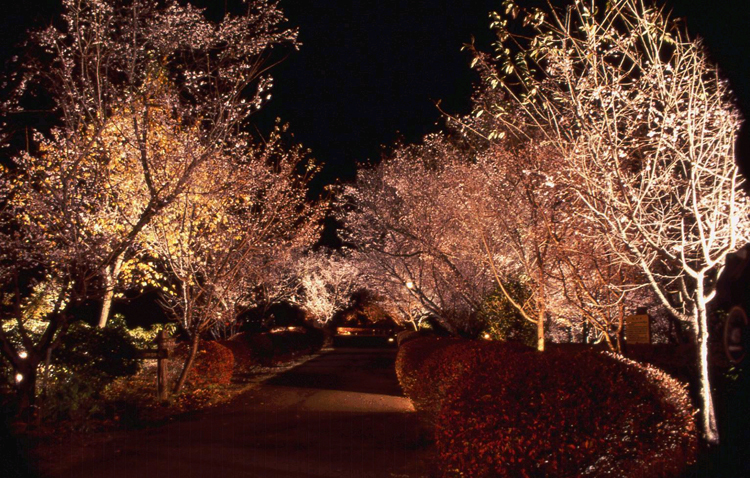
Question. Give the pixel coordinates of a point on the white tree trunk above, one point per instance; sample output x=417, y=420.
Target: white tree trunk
x=540, y=331
x=710, y=430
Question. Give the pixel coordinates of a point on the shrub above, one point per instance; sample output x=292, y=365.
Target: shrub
x=412, y=355
x=264, y=348
x=87, y=360
x=291, y=343
x=407, y=335
x=428, y=370
x=214, y=364
x=565, y=414
x=447, y=367
x=243, y=353
x=315, y=339
x=501, y=319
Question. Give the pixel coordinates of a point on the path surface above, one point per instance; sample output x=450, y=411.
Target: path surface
x=339, y=415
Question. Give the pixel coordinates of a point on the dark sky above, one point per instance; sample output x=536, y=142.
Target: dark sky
x=369, y=72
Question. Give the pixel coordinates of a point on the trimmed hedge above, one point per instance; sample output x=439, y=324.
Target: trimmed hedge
x=407, y=335
x=565, y=414
x=411, y=355
x=267, y=348
x=430, y=369
x=214, y=364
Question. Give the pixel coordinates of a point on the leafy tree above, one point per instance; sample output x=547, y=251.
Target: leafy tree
x=402, y=215
x=236, y=211
x=144, y=93
x=647, y=127
x=327, y=281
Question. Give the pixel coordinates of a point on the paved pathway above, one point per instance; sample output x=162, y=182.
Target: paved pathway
x=339, y=415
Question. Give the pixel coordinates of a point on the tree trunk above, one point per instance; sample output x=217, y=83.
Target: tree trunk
x=42, y=399
x=188, y=362
x=111, y=273
x=708, y=415
x=540, y=330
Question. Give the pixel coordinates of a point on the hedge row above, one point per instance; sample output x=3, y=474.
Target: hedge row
x=505, y=410
x=267, y=348
x=216, y=361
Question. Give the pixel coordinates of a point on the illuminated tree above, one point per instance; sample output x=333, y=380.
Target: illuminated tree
x=327, y=281
x=144, y=93
x=401, y=214
x=237, y=213
x=511, y=202
x=514, y=210
x=647, y=128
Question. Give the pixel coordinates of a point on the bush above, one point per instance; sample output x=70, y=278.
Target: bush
x=565, y=414
x=266, y=348
x=407, y=335
x=502, y=321
x=430, y=369
x=88, y=359
x=214, y=364
x=449, y=365
x=291, y=343
x=411, y=356
x=243, y=353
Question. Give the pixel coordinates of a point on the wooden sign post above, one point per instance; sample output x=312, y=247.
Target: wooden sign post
x=164, y=346
x=638, y=329
x=162, y=353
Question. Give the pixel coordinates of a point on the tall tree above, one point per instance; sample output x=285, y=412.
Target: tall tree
x=327, y=281
x=402, y=217
x=647, y=127
x=143, y=92
x=236, y=210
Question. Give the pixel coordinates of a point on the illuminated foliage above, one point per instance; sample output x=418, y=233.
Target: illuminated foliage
x=647, y=128
x=581, y=414
x=502, y=321
x=402, y=215
x=238, y=213
x=327, y=281
x=145, y=93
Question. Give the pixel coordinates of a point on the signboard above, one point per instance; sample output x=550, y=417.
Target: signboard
x=734, y=328
x=638, y=329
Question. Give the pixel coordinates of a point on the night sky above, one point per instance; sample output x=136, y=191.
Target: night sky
x=370, y=72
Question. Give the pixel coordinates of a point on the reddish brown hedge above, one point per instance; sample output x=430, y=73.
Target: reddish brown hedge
x=266, y=348
x=411, y=355
x=565, y=415
x=213, y=364
x=244, y=356
x=430, y=369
